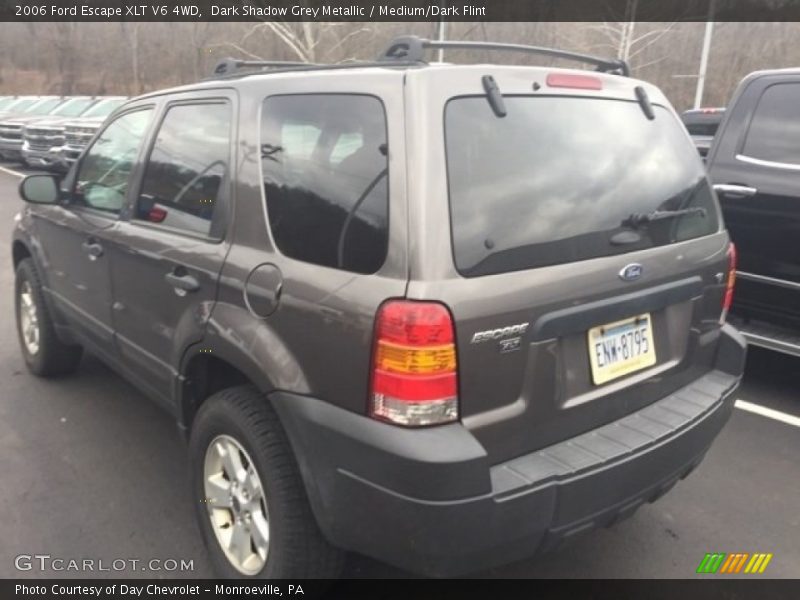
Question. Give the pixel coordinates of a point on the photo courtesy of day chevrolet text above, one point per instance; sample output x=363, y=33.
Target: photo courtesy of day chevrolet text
x=153, y=590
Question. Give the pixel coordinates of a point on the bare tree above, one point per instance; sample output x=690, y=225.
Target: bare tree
x=199, y=33
x=130, y=32
x=64, y=45
x=629, y=41
x=130, y=58
x=305, y=41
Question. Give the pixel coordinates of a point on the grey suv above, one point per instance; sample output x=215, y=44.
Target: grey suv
x=444, y=316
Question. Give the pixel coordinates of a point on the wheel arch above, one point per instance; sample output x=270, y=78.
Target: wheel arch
x=237, y=349
x=19, y=252
x=202, y=376
x=24, y=247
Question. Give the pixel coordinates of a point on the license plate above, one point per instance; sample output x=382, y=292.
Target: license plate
x=621, y=348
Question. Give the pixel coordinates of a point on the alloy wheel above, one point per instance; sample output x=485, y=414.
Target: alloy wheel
x=29, y=319
x=236, y=504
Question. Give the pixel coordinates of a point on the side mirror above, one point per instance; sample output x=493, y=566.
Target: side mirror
x=39, y=189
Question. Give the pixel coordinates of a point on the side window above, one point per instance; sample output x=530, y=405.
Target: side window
x=186, y=168
x=774, y=132
x=104, y=173
x=325, y=166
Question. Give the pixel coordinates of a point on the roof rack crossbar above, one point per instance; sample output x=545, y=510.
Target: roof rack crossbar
x=291, y=67
x=412, y=48
x=231, y=66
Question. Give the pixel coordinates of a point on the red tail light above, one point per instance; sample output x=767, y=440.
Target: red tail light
x=580, y=82
x=414, y=370
x=730, y=282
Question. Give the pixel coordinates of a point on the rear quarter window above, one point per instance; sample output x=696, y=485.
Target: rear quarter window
x=324, y=161
x=558, y=177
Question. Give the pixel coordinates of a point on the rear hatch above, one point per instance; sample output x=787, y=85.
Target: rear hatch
x=580, y=249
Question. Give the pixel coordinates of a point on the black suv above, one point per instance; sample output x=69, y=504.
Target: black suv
x=445, y=316
x=755, y=166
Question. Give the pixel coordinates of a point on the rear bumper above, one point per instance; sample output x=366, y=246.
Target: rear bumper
x=429, y=501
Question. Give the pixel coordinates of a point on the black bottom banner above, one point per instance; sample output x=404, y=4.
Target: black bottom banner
x=378, y=589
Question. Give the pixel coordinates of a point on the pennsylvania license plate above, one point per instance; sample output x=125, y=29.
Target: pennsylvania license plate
x=621, y=348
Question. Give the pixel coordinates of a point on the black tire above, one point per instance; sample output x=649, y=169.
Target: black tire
x=297, y=548
x=54, y=357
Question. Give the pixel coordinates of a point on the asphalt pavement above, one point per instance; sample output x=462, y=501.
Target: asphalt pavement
x=90, y=469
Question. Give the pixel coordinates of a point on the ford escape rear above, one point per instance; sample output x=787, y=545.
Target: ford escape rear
x=445, y=316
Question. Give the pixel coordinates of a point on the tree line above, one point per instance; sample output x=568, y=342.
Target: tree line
x=132, y=58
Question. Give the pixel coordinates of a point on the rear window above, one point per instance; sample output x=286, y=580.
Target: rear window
x=704, y=122
x=558, y=179
x=709, y=129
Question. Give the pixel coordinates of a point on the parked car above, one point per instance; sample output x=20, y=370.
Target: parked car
x=702, y=124
x=755, y=166
x=382, y=330
x=13, y=124
x=18, y=105
x=80, y=131
x=44, y=139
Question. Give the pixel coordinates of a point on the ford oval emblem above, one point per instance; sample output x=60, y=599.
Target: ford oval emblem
x=631, y=272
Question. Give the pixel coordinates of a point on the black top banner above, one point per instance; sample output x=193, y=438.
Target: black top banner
x=402, y=10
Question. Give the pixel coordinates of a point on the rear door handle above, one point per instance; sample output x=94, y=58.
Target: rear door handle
x=92, y=248
x=182, y=282
x=733, y=190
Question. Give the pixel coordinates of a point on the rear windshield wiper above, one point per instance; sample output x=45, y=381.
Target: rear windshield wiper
x=494, y=96
x=638, y=219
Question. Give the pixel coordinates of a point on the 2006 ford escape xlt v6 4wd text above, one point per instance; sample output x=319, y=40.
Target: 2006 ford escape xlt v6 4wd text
x=444, y=316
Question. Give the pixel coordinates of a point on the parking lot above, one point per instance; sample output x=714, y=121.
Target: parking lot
x=92, y=469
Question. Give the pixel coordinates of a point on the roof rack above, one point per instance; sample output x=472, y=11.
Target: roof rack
x=232, y=66
x=412, y=49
